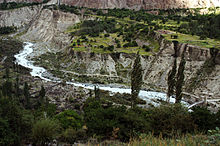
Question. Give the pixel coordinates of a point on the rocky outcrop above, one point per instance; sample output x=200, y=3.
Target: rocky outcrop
x=21, y=1
x=145, y=4
x=135, y=4
x=155, y=68
x=50, y=27
x=18, y=17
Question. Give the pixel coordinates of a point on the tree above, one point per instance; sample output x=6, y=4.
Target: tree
x=26, y=95
x=42, y=94
x=7, y=88
x=97, y=93
x=69, y=119
x=17, y=87
x=136, y=79
x=180, y=79
x=171, y=81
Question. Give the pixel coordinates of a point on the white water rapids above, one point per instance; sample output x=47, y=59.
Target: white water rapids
x=22, y=59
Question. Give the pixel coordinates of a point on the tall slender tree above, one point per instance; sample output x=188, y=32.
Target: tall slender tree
x=136, y=79
x=171, y=81
x=42, y=94
x=26, y=95
x=180, y=79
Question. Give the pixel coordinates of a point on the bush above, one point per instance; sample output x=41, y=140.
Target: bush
x=70, y=135
x=44, y=131
x=170, y=120
x=7, y=30
x=146, y=48
x=69, y=119
x=112, y=121
x=106, y=35
x=133, y=123
x=203, y=118
x=202, y=37
x=6, y=135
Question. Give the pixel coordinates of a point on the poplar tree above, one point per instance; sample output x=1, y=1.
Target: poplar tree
x=136, y=80
x=180, y=79
x=42, y=94
x=171, y=81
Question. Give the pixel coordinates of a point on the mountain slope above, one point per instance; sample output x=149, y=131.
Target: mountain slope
x=145, y=4
x=135, y=4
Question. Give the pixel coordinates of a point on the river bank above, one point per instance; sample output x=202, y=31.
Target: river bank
x=23, y=59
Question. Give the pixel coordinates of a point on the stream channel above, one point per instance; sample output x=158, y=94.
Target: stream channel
x=23, y=59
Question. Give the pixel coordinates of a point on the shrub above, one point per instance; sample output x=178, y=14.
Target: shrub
x=6, y=135
x=202, y=37
x=69, y=135
x=146, y=48
x=107, y=35
x=7, y=30
x=170, y=120
x=69, y=119
x=113, y=121
x=44, y=131
x=203, y=118
x=133, y=123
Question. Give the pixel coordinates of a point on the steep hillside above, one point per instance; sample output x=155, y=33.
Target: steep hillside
x=145, y=4
x=135, y=4
x=19, y=1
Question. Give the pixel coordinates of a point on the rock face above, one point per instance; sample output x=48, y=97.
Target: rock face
x=145, y=4
x=134, y=4
x=107, y=67
x=19, y=1
x=51, y=26
x=18, y=17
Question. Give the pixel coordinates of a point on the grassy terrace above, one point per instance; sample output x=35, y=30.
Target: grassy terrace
x=193, y=40
x=96, y=44
x=188, y=25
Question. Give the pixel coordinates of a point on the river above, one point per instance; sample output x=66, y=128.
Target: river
x=23, y=59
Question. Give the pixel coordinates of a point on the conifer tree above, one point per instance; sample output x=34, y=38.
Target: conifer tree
x=136, y=80
x=26, y=95
x=7, y=86
x=17, y=87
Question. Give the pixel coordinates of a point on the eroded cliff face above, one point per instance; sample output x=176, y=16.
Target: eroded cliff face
x=134, y=4
x=18, y=17
x=41, y=25
x=118, y=66
x=145, y=4
x=19, y=1
x=50, y=27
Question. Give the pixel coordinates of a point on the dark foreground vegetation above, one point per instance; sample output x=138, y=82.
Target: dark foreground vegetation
x=27, y=119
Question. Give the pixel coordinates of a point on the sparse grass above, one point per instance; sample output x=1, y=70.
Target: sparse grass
x=188, y=140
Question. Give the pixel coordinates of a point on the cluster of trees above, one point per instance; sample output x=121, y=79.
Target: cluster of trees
x=123, y=123
x=193, y=23
x=7, y=30
x=14, y=5
x=94, y=27
x=71, y=9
